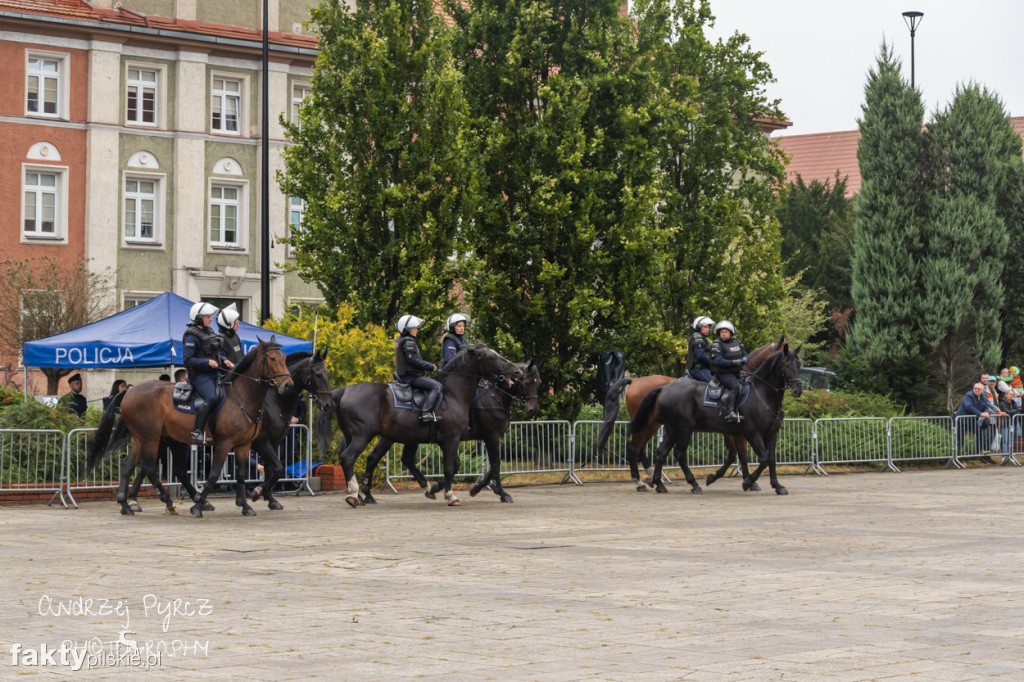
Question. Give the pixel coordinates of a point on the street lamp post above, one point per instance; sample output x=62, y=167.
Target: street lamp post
x=912, y=19
x=265, y=179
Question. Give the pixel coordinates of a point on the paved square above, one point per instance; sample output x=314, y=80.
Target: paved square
x=851, y=577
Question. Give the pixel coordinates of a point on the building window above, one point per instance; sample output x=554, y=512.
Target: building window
x=142, y=96
x=41, y=209
x=300, y=91
x=227, y=105
x=297, y=209
x=225, y=216
x=43, y=89
x=140, y=209
x=133, y=299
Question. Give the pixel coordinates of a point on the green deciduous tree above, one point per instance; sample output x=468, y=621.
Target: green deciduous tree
x=380, y=155
x=563, y=244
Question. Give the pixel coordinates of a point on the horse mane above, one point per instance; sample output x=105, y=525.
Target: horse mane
x=245, y=362
x=461, y=359
x=297, y=356
x=300, y=372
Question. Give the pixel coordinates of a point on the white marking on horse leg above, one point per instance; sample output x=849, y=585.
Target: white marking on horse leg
x=353, y=487
x=450, y=497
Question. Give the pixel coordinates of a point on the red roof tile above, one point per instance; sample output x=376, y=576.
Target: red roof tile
x=819, y=156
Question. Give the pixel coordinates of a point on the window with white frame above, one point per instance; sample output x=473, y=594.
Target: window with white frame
x=42, y=204
x=296, y=209
x=300, y=91
x=226, y=105
x=225, y=216
x=141, y=203
x=133, y=299
x=43, y=86
x=142, y=96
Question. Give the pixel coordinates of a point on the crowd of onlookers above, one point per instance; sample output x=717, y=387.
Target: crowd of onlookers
x=994, y=400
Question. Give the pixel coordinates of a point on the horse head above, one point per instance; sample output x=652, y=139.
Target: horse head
x=274, y=366
x=529, y=387
x=791, y=369
x=320, y=381
x=494, y=366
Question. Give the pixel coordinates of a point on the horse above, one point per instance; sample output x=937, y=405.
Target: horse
x=638, y=388
x=148, y=413
x=368, y=409
x=489, y=419
x=682, y=410
x=309, y=374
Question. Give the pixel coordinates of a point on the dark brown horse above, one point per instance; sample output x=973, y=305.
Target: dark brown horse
x=309, y=374
x=636, y=390
x=489, y=419
x=148, y=413
x=368, y=409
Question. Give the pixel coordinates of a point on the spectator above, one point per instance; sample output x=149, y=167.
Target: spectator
x=118, y=386
x=974, y=404
x=1015, y=380
x=1006, y=405
x=78, y=403
x=181, y=375
x=164, y=377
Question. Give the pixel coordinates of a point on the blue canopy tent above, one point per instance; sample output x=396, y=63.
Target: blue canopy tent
x=148, y=335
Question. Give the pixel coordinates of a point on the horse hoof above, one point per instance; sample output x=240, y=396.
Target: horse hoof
x=696, y=490
x=127, y=511
x=454, y=502
x=196, y=511
x=754, y=487
x=711, y=479
x=256, y=492
x=248, y=511
x=649, y=482
x=352, y=501
x=369, y=499
x=781, y=491
x=474, y=491
x=430, y=495
x=134, y=506
x=660, y=488
x=171, y=511
x=207, y=506
x=274, y=505
x=507, y=498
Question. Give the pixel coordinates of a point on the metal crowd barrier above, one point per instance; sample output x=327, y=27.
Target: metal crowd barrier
x=295, y=452
x=921, y=439
x=841, y=441
x=585, y=457
x=33, y=459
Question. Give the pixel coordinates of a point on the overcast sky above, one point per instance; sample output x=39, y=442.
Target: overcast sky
x=820, y=51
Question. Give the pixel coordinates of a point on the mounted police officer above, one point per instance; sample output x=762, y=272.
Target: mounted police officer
x=411, y=365
x=727, y=359
x=455, y=339
x=698, y=363
x=202, y=355
x=227, y=323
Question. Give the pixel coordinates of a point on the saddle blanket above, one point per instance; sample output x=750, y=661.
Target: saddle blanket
x=405, y=397
x=709, y=401
x=189, y=407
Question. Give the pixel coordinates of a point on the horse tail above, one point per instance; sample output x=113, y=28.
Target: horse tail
x=611, y=411
x=323, y=423
x=107, y=438
x=643, y=413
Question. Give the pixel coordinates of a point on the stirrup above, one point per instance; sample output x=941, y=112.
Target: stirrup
x=199, y=438
x=429, y=417
x=734, y=417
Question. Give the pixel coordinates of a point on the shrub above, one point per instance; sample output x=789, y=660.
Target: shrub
x=815, y=404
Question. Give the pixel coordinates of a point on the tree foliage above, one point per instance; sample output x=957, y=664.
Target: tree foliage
x=381, y=157
x=41, y=297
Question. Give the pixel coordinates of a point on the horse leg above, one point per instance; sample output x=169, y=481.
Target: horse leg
x=273, y=470
x=129, y=463
x=241, y=468
x=133, y=492
x=450, y=450
x=681, y=457
x=180, y=453
x=762, y=460
x=493, y=444
x=648, y=434
x=153, y=473
x=633, y=456
x=348, y=464
x=372, y=460
x=741, y=455
x=772, y=477
x=660, y=456
x=220, y=455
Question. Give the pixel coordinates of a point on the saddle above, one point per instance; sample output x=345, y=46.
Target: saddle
x=713, y=394
x=188, y=401
x=408, y=398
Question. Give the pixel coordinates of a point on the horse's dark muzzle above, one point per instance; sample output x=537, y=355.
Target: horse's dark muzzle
x=285, y=385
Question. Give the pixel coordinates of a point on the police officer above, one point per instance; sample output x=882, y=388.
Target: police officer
x=201, y=356
x=455, y=339
x=227, y=324
x=411, y=365
x=698, y=364
x=727, y=358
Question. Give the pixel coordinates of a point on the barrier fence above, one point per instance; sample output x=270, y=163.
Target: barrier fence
x=41, y=462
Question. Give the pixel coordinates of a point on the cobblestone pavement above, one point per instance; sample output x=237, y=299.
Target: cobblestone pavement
x=851, y=577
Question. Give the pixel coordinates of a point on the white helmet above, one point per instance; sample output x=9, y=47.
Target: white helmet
x=454, y=319
x=408, y=322
x=201, y=309
x=725, y=324
x=227, y=317
x=701, y=321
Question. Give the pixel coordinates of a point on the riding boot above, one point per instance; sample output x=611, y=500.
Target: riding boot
x=730, y=405
x=427, y=414
x=202, y=414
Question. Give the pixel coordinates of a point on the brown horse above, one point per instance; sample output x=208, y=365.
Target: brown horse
x=636, y=390
x=148, y=413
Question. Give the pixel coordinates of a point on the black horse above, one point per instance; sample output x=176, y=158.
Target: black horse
x=489, y=419
x=368, y=409
x=310, y=375
x=682, y=410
